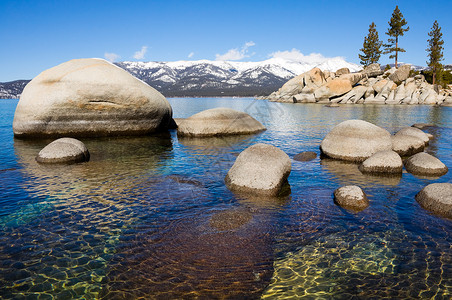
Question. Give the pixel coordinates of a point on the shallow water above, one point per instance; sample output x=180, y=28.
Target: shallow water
x=150, y=216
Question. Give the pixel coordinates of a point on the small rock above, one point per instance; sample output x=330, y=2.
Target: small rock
x=305, y=156
x=261, y=169
x=383, y=162
x=425, y=164
x=64, y=150
x=412, y=131
x=407, y=145
x=332, y=104
x=422, y=125
x=437, y=198
x=351, y=197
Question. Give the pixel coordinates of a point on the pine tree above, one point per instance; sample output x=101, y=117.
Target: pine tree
x=435, y=51
x=371, y=47
x=394, y=31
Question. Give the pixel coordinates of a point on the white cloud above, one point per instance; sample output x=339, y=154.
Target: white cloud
x=296, y=55
x=140, y=54
x=191, y=54
x=111, y=57
x=236, y=53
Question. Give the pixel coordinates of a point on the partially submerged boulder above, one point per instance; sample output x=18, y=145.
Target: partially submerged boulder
x=64, y=150
x=414, y=132
x=425, y=164
x=407, y=145
x=383, y=162
x=355, y=140
x=261, y=169
x=351, y=197
x=437, y=198
x=219, y=121
x=305, y=156
x=89, y=97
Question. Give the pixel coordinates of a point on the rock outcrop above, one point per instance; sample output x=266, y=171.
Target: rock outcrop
x=369, y=86
x=351, y=197
x=437, y=198
x=218, y=121
x=261, y=169
x=355, y=140
x=64, y=150
x=89, y=97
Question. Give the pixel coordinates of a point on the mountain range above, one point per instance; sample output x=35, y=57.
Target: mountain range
x=205, y=78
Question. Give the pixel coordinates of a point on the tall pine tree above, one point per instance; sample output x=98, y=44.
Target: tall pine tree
x=435, y=51
x=395, y=30
x=371, y=47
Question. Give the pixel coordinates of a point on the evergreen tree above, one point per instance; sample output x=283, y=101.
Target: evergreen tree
x=395, y=30
x=371, y=47
x=435, y=51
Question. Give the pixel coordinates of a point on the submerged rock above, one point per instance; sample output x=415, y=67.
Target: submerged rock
x=355, y=140
x=89, y=97
x=437, y=198
x=219, y=121
x=231, y=219
x=259, y=169
x=64, y=150
x=426, y=165
x=305, y=156
x=351, y=197
x=383, y=162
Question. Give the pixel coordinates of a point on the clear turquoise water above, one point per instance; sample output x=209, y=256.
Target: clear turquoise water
x=137, y=220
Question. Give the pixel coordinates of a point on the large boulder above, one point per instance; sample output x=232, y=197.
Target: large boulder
x=64, y=150
x=401, y=74
x=89, y=97
x=372, y=70
x=437, y=198
x=333, y=88
x=351, y=197
x=407, y=145
x=260, y=169
x=424, y=164
x=383, y=162
x=219, y=121
x=342, y=71
x=414, y=132
x=355, y=140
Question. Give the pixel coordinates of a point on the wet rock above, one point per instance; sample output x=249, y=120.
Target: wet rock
x=231, y=219
x=351, y=197
x=423, y=125
x=425, y=164
x=383, y=162
x=437, y=198
x=259, y=169
x=415, y=132
x=305, y=156
x=355, y=140
x=89, y=97
x=218, y=121
x=407, y=145
x=64, y=150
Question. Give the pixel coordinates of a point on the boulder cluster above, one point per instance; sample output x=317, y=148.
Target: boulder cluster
x=370, y=86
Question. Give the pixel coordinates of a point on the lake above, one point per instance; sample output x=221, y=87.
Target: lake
x=151, y=216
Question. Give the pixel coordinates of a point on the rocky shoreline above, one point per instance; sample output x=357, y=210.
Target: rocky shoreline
x=369, y=86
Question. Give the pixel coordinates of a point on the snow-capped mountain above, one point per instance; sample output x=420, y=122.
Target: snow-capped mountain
x=224, y=78
x=204, y=78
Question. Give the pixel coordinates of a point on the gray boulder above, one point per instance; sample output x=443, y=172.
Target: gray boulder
x=401, y=74
x=407, y=145
x=424, y=164
x=342, y=71
x=63, y=150
x=383, y=162
x=89, y=97
x=414, y=132
x=218, y=121
x=372, y=70
x=260, y=169
x=437, y=198
x=351, y=197
x=355, y=140
x=422, y=125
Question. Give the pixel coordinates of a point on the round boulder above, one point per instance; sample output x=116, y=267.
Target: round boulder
x=351, y=197
x=305, y=156
x=89, y=97
x=437, y=198
x=425, y=164
x=383, y=162
x=355, y=140
x=260, y=169
x=219, y=121
x=64, y=150
x=414, y=132
x=406, y=145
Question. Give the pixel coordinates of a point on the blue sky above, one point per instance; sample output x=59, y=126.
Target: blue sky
x=36, y=35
